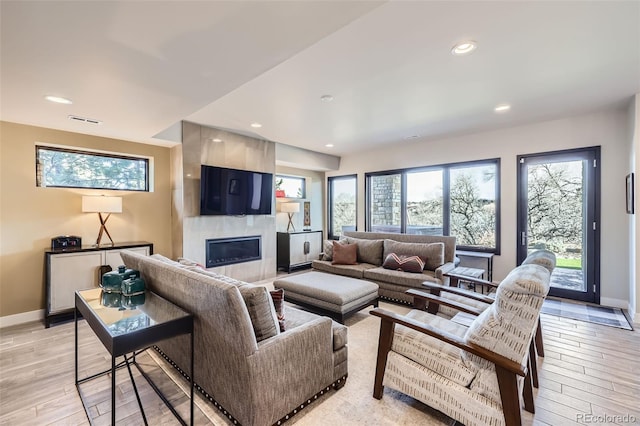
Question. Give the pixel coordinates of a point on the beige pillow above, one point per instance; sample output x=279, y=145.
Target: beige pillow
x=369, y=251
x=261, y=310
x=344, y=254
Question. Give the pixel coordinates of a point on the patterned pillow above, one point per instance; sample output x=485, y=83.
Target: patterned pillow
x=431, y=253
x=403, y=263
x=327, y=250
x=277, y=297
x=344, y=254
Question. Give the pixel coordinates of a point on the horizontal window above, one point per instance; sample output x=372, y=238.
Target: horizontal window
x=69, y=168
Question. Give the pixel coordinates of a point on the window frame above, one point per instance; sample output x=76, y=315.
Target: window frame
x=330, y=180
x=446, y=201
x=303, y=186
x=95, y=153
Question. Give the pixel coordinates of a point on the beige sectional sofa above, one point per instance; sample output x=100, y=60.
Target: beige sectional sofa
x=253, y=372
x=374, y=247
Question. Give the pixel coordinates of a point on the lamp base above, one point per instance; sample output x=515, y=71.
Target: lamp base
x=290, y=224
x=103, y=229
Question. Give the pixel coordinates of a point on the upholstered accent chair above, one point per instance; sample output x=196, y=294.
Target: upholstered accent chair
x=474, y=374
x=479, y=302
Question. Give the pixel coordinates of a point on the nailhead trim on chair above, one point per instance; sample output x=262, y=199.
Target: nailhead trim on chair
x=335, y=385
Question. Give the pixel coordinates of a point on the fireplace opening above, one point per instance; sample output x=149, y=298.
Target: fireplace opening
x=227, y=251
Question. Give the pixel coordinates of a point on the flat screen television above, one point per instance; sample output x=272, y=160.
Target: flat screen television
x=234, y=192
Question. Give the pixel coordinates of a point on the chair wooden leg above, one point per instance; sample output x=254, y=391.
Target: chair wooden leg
x=527, y=391
x=384, y=346
x=534, y=364
x=538, y=338
x=509, y=396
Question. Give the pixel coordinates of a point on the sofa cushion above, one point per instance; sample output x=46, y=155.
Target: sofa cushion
x=369, y=251
x=436, y=355
x=353, y=271
x=344, y=254
x=407, y=279
x=261, y=311
x=432, y=254
x=403, y=263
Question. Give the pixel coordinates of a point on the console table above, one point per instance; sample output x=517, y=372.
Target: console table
x=77, y=268
x=127, y=328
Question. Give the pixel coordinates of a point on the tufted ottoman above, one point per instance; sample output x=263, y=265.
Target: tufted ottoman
x=332, y=295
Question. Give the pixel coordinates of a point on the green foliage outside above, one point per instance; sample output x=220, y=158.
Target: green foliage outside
x=88, y=170
x=569, y=263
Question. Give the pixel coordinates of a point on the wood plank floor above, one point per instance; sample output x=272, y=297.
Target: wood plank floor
x=590, y=375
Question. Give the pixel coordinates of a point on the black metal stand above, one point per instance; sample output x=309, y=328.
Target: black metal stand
x=127, y=362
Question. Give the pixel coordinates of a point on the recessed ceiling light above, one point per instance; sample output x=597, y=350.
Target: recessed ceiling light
x=326, y=98
x=256, y=125
x=329, y=145
x=502, y=108
x=58, y=100
x=216, y=140
x=464, y=48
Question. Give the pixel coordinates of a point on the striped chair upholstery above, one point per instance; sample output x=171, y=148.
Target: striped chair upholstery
x=462, y=385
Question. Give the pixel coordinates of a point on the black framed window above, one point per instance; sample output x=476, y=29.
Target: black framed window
x=71, y=168
x=458, y=199
x=342, y=205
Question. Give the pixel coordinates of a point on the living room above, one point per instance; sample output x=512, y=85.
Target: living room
x=31, y=216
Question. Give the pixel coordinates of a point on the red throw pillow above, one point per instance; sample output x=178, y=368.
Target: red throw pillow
x=403, y=263
x=344, y=254
x=277, y=297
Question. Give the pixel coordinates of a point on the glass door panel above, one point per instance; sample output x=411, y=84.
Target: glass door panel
x=557, y=212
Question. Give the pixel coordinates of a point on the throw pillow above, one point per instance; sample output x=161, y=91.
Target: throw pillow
x=261, y=311
x=344, y=254
x=277, y=297
x=369, y=251
x=403, y=263
x=189, y=262
x=432, y=254
x=327, y=250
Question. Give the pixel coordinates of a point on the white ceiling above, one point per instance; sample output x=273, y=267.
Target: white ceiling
x=141, y=67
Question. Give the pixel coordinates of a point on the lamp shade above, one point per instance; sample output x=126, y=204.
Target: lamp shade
x=290, y=207
x=101, y=204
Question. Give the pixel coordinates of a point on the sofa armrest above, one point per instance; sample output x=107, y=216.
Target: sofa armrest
x=444, y=269
x=306, y=348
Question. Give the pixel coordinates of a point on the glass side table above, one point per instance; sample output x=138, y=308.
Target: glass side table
x=125, y=325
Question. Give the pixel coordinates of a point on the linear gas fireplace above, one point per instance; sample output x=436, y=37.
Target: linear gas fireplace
x=227, y=251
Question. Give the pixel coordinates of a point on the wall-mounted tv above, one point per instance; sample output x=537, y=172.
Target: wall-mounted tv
x=234, y=192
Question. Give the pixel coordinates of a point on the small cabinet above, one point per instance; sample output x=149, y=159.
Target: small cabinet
x=298, y=249
x=69, y=270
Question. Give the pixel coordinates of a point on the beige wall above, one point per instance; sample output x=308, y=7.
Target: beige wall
x=31, y=216
x=608, y=129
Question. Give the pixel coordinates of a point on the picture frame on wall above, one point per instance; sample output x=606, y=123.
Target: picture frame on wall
x=307, y=214
x=630, y=193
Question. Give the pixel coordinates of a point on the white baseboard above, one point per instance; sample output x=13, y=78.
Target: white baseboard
x=614, y=303
x=9, y=320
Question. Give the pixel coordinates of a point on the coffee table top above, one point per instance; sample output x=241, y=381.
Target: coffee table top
x=125, y=324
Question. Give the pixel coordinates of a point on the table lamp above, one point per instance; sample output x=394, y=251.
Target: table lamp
x=290, y=209
x=100, y=205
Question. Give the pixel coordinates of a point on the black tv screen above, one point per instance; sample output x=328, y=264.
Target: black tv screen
x=234, y=192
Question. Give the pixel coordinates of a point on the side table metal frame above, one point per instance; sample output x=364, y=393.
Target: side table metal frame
x=133, y=347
